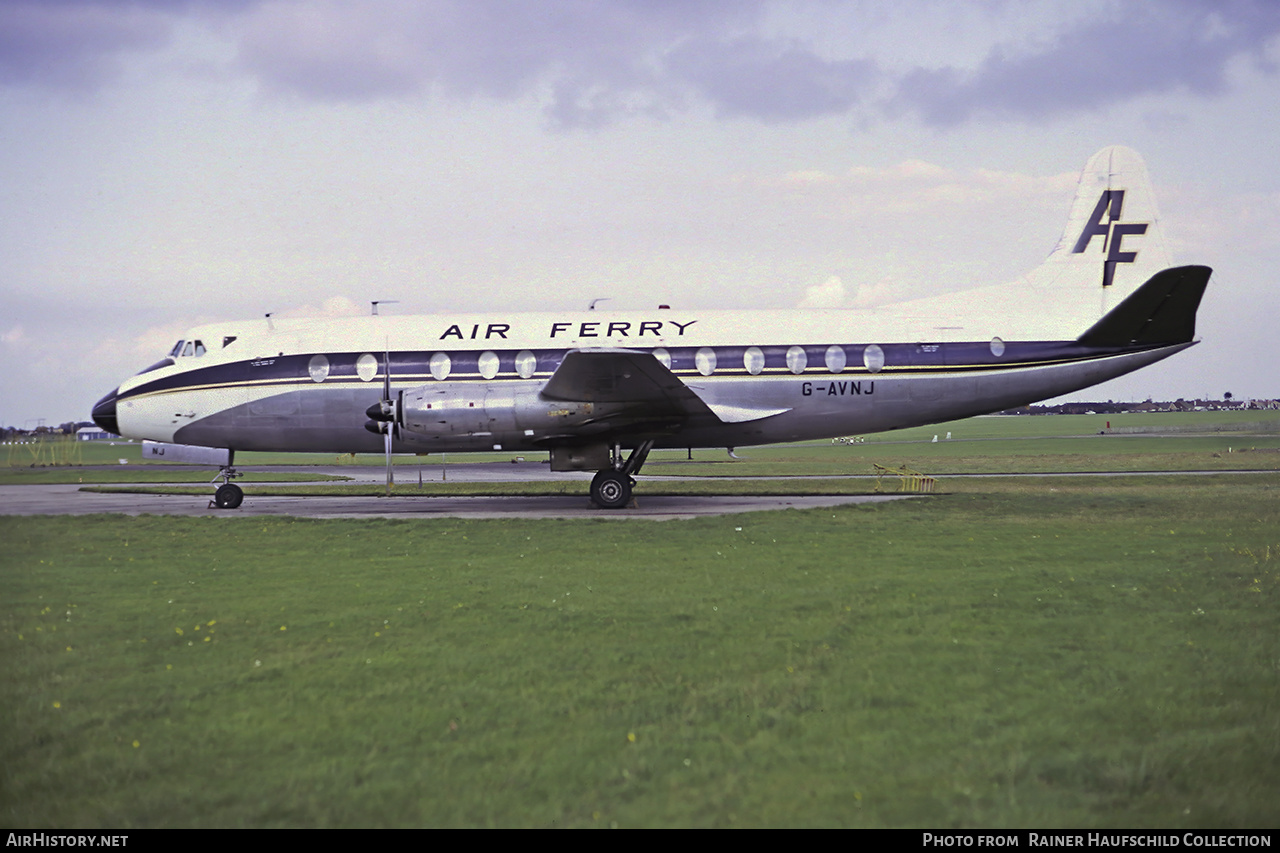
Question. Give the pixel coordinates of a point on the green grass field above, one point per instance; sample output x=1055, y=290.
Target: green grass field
x=1038, y=652
x=1044, y=652
x=1200, y=441
x=1191, y=441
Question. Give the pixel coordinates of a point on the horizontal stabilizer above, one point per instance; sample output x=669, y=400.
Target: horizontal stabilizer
x=1161, y=311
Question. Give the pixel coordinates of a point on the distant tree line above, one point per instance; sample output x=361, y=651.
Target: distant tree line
x=11, y=433
x=1112, y=407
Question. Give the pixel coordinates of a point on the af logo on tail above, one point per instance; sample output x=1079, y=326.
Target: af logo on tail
x=1112, y=232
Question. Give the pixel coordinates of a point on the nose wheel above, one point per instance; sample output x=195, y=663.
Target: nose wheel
x=228, y=496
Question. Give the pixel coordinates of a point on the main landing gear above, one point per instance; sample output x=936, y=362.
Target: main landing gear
x=611, y=487
x=228, y=495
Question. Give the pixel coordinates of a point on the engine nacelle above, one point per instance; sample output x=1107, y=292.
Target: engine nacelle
x=474, y=408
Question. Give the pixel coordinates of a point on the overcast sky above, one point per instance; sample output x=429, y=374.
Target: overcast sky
x=170, y=162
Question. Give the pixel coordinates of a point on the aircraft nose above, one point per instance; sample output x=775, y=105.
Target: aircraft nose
x=104, y=413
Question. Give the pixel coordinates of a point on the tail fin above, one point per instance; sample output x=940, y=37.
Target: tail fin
x=1111, y=249
x=1113, y=241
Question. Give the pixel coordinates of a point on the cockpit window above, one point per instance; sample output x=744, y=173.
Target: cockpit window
x=189, y=348
x=177, y=349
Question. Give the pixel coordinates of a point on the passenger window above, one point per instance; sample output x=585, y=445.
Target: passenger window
x=705, y=359
x=526, y=364
x=873, y=358
x=797, y=361
x=367, y=367
x=318, y=367
x=753, y=360
x=440, y=366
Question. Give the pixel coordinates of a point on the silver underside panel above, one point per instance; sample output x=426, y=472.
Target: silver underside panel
x=318, y=418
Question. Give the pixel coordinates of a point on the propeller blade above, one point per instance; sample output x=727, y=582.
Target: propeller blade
x=388, y=408
x=390, y=481
x=386, y=375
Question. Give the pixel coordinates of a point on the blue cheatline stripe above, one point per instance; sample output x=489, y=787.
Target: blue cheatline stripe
x=414, y=366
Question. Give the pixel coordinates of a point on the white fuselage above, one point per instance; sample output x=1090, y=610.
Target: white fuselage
x=763, y=376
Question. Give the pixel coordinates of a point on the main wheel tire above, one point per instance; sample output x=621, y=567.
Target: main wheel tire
x=228, y=496
x=611, y=490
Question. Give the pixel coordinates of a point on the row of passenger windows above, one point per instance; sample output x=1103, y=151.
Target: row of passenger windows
x=705, y=361
x=834, y=359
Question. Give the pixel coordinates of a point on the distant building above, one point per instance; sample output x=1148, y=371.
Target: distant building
x=93, y=433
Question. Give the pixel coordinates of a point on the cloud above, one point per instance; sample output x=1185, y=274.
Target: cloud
x=74, y=45
x=915, y=186
x=15, y=337
x=1218, y=227
x=914, y=228
x=591, y=63
x=1142, y=49
x=833, y=293
x=883, y=291
x=770, y=80
x=829, y=294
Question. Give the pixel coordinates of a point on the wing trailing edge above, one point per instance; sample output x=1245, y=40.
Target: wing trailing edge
x=637, y=377
x=741, y=414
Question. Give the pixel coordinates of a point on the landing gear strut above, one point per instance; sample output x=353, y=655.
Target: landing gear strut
x=611, y=487
x=228, y=495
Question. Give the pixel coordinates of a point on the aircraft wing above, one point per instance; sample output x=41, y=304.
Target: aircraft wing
x=637, y=377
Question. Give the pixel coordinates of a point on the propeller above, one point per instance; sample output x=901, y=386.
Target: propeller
x=382, y=417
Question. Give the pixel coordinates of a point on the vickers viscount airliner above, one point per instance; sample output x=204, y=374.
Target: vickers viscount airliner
x=598, y=390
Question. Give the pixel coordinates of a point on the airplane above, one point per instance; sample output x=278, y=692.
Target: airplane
x=599, y=389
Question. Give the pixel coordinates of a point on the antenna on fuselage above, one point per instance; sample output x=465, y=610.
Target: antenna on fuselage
x=270, y=325
x=592, y=306
x=375, y=303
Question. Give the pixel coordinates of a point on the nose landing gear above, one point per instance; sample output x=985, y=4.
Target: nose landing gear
x=228, y=495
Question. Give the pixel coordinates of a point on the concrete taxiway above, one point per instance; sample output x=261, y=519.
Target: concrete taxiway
x=69, y=500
